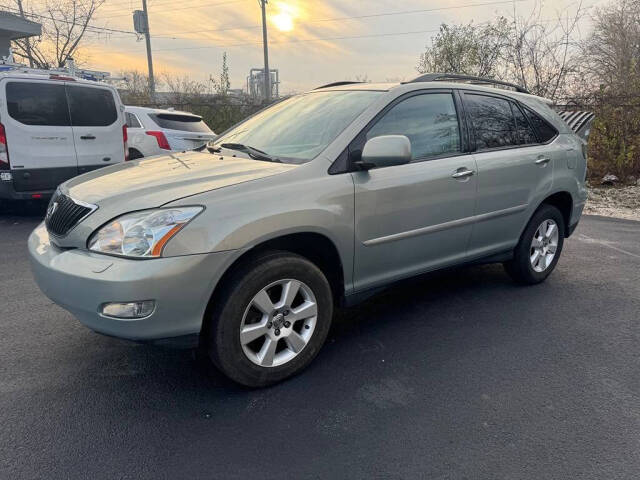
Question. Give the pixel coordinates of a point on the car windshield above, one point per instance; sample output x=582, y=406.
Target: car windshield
x=296, y=130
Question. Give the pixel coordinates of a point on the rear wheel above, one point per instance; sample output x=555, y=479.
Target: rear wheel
x=274, y=315
x=539, y=248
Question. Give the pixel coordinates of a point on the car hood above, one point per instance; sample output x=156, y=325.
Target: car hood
x=152, y=182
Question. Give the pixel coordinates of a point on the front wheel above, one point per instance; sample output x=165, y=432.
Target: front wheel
x=274, y=315
x=539, y=248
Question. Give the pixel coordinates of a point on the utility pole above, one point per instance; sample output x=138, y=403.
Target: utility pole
x=27, y=41
x=267, y=72
x=147, y=37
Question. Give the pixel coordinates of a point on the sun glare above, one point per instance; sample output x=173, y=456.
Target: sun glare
x=283, y=22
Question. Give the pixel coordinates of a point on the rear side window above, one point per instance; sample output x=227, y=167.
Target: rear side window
x=545, y=131
x=91, y=107
x=492, y=121
x=429, y=121
x=132, y=121
x=526, y=134
x=186, y=123
x=33, y=103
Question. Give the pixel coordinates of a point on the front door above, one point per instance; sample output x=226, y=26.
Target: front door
x=415, y=217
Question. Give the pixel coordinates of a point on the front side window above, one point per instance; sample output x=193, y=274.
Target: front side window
x=185, y=123
x=296, y=130
x=492, y=121
x=35, y=103
x=428, y=120
x=91, y=107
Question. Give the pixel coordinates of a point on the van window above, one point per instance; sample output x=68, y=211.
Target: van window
x=545, y=131
x=36, y=103
x=132, y=121
x=429, y=121
x=186, y=123
x=91, y=107
x=526, y=134
x=492, y=121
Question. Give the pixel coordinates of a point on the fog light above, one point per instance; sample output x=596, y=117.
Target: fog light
x=129, y=309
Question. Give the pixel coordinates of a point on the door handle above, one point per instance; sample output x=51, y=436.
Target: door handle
x=88, y=137
x=543, y=160
x=460, y=173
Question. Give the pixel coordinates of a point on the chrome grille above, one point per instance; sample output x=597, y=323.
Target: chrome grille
x=64, y=213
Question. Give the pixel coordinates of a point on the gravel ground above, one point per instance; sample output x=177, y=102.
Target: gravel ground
x=620, y=202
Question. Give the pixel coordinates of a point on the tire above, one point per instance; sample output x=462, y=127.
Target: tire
x=526, y=269
x=247, y=362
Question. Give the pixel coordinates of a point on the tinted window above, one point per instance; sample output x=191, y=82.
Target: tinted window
x=429, y=121
x=132, y=121
x=545, y=131
x=91, y=107
x=37, y=103
x=492, y=121
x=186, y=123
x=526, y=134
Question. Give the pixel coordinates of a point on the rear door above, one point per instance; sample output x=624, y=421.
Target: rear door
x=97, y=126
x=35, y=115
x=514, y=169
x=183, y=131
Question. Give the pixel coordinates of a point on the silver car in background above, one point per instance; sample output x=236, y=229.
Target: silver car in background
x=316, y=202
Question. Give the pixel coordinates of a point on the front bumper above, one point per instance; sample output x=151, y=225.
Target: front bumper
x=81, y=281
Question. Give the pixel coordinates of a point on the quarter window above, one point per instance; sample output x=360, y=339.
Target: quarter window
x=132, y=121
x=492, y=121
x=429, y=121
x=545, y=131
x=35, y=103
x=91, y=107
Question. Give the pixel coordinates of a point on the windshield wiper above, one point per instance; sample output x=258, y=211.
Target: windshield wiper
x=251, y=151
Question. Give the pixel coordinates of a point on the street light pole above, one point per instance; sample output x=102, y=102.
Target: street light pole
x=147, y=36
x=267, y=72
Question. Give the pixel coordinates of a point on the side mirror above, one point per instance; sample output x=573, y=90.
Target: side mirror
x=385, y=151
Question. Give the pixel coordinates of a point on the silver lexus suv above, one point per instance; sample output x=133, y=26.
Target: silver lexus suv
x=245, y=248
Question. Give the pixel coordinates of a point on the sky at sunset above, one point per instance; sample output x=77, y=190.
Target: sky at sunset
x=311, y=42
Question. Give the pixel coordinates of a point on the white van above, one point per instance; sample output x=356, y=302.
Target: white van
x=53, y=128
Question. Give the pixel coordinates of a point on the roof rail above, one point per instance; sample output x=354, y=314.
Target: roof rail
x=443, y=77
x=336, y=84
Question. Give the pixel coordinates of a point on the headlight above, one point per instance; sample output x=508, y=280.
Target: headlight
x=141, y=234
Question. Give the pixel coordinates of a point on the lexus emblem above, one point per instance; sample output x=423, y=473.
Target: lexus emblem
x=52, y=209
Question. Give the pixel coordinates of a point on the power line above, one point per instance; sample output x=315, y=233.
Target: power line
x=169, y=35
x=205, y=5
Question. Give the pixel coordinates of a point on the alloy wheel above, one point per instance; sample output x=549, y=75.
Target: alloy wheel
x=278, y=322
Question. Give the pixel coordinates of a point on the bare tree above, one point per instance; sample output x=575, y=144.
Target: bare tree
x=542, y=55
x=470, y=49
x=65, y=23
x=612, y=50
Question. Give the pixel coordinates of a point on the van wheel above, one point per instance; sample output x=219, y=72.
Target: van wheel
x=274, y=316
x=539, y=248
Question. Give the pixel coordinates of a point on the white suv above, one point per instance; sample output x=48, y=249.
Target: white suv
x=54, y=128
x=154, y=131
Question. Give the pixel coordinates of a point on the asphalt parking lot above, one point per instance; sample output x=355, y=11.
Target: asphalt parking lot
x=459, y=375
